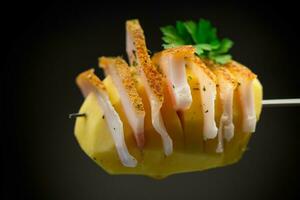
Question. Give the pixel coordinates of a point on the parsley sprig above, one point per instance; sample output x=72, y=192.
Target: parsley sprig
x=202, y=35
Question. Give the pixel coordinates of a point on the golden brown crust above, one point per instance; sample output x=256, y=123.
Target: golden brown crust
x=89, y=77
x=225, y=74
x=220, y=71
x=154, y=78
x=240, y=70
x=123, y=70
x=205, y=69
x=210, y=63
x=179, y=51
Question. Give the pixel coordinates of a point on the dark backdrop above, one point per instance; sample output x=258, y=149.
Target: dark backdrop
x=47, y=44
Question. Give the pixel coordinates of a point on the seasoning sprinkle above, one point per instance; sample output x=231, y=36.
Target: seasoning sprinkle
x=134, y=63
x=134, y=53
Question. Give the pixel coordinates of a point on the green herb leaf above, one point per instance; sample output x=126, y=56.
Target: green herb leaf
x=202, y=35
x=191, y=27
x=206, y=47
x=182, y=31
x=225, y=45
x=222, y=59
x=171, y=36
x=206, y=33
x=167, y=46
x=215, y=44
x=199, y=50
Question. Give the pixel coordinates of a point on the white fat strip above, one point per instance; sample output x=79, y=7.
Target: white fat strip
x=135, y=119
x=155, y=103
x=226, y=127
x=248, y=108
x=174, y=69
x=207, y=89
x=156, y=118
x=115, y=126
x=88, y=82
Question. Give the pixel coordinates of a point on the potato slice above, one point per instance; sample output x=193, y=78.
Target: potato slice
x=189, y=155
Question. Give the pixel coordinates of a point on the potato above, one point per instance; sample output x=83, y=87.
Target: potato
x=191, y=152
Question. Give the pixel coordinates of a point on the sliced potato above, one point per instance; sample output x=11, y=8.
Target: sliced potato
x=191, y=152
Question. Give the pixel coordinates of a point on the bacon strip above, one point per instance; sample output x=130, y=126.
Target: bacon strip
x=132, y=104
x=207, y=88
x=153, y=81
x=88, y=82
x=173, y=63
x=226, y=85
x=245, y=78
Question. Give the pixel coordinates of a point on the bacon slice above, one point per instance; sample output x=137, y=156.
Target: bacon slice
x=226, y=85
x=245, y=78
x=173, y=63
x=153, y=81
x=207, y=88
x=88, y=82
x=132, y=104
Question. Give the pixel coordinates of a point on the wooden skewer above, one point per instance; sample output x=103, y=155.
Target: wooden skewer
x=265, y=103
x=75, y=115
x=280, y=102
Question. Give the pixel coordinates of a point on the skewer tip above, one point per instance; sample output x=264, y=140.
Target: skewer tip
x=75, y=115
x=280, y=102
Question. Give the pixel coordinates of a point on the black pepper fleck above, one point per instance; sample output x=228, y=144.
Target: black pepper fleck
x=204, y=89
x=206, y=111
x=134, y=53
x=134, y=63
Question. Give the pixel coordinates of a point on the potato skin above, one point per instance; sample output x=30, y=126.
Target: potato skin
x=94, y=138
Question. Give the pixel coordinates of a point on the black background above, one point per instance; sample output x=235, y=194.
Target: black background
x=47, y=44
